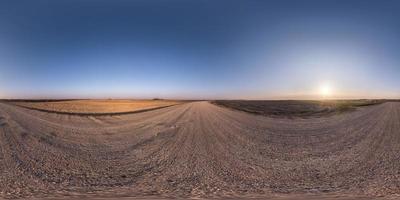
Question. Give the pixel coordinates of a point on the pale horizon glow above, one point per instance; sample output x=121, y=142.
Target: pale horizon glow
x=326, y=90
x=176, y=49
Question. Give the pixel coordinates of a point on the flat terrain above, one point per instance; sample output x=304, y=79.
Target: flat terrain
x=294, y=108
x=200, y=149
x=96, y=106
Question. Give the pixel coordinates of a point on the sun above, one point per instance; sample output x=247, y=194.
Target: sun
x=325, y=90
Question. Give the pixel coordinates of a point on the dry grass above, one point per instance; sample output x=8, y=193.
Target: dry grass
x=201, y=151
x=294, y=108
x=96, y=106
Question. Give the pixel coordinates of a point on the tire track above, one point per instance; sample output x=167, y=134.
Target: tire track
x=199, y=150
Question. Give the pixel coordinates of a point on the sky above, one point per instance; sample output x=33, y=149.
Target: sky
x=205, y=49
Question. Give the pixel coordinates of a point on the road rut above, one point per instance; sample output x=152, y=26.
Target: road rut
x=199, y=150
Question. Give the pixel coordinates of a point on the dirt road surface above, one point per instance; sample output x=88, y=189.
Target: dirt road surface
x=200, y=150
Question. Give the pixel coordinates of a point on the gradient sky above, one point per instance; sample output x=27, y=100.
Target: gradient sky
x=199, y=49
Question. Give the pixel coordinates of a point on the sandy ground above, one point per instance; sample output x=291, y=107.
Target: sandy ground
x=200, y=150
x=97, y=106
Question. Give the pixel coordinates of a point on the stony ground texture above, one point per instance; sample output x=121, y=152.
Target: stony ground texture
x=199, y=150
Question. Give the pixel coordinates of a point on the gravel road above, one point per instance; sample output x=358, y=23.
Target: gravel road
x=199, y=150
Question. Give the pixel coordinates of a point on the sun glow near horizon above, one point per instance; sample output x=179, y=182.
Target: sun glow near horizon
x=312, y=51
x=326, y=90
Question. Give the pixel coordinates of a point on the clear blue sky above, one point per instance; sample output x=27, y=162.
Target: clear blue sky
x=199, y=49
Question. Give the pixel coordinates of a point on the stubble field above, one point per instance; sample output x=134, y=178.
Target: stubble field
x=199, y=150
x=92, y=107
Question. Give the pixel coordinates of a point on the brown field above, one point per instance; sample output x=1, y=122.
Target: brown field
x=96, y=106
x=199, y=150
x=294, y=108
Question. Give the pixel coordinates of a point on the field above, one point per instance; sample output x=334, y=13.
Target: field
x=95, y=106
x=292, y=108
x=199, y=150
